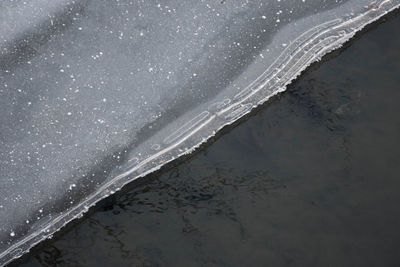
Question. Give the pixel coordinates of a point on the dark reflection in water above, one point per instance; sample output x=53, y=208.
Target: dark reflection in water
x=312, y=179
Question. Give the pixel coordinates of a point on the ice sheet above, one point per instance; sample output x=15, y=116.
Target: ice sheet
x=94, y=94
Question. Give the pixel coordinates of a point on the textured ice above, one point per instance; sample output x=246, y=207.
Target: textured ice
x=96, y=93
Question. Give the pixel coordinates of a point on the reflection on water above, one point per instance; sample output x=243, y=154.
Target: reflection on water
x=312, y=179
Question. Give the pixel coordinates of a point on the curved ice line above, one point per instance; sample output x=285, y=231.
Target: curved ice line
x=312, y=31
x=186, y=127
x=295, y=51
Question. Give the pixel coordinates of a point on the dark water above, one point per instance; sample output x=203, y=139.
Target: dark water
x=311, y=179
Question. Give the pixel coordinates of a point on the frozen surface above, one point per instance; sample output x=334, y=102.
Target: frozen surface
x=94, y=94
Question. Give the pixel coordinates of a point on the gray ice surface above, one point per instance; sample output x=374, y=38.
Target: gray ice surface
x=95, y=93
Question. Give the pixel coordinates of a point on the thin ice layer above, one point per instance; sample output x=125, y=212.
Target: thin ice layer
x=97, y=93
